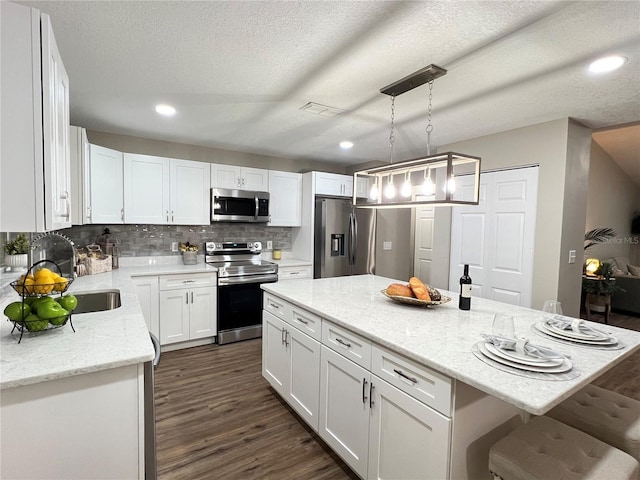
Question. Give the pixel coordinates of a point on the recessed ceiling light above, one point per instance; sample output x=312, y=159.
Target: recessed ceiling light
x=607, y=64
x=346, y=145
x=166, y=110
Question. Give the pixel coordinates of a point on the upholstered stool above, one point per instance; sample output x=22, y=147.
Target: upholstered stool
x=547, y=449
x=606, y=415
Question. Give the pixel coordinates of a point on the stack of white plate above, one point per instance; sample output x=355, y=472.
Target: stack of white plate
x=523, y=361
x=585, y=336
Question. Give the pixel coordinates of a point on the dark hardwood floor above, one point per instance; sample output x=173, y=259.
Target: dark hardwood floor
x=217, y=418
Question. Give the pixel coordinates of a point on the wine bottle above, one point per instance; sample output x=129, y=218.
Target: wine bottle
x=464, y=302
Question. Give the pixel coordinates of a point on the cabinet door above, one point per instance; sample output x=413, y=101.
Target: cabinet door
x=225, y=176
x=362, y=188
x=202, y=318
x=275, y=357
x=146, y=189
x=55, y=122
x=344, y=409
x=407, y=439
x=148, y=297
x=304, y=375
x=285, y=194
x=106, y=186
x=79, y=151
x=190, y=186
x=174, y=316
x=334, y=184
x=256, y=179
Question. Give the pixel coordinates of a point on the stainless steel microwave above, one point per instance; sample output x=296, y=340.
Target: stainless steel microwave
x=239, y=206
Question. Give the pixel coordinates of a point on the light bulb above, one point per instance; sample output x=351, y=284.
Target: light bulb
x=428, y=188
x=374, y=193
x=405, y=191
x=450, y=186
x=390, y=189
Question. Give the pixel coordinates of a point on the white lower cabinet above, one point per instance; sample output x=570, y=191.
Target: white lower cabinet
x=293, y=273
x=344, y=409
x=187, y=307
x=148, y=296
x=290, y=362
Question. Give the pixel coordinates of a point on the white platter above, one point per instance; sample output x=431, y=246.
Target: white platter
x=514, y=356
x=565, y=366
x=595, y=336
x=544, y=329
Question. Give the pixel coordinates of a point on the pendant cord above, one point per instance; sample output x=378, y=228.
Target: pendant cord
x=392, y=137
x=429, y=128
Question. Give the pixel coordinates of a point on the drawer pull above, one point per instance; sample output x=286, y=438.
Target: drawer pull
x=364, y=389
x=273, y=305
x=294, y=273
x=400, y=373
x=302, y=320
x=282, y=335
x=371, y=402
x=342, y=342
x=188, y=281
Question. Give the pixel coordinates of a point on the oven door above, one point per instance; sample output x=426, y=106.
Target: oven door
x=239, y=311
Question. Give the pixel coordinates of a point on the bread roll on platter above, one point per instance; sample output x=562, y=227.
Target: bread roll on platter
x=400, y=290
x=419, y=289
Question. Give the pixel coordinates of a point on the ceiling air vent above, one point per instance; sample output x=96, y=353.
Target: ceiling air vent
x=319, y=109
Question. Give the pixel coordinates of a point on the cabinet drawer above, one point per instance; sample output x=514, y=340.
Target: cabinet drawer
x=426, y=385
x=276, y=306
x=291, y=273
x=347, y=343
x=305, y=321
x=173, y=282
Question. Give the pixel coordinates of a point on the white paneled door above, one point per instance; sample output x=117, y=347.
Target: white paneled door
x=496, y=237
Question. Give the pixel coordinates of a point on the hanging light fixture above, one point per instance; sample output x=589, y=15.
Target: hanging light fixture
x=437, y=173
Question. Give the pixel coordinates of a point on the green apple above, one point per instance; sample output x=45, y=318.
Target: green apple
x=35, y=324
x=68, y=302
x=40, y=301
x=47, y=310
x=17, y=311
x=58, y=320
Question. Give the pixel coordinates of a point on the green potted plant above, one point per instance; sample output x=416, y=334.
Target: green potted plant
x=17, y=252
x=600, y=288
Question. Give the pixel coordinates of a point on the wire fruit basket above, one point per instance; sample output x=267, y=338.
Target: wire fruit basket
x=37, y=289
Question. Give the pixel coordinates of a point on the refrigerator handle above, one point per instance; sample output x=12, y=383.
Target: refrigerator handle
x=353, y=238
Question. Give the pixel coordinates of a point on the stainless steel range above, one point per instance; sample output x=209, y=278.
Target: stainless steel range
x=240, y=273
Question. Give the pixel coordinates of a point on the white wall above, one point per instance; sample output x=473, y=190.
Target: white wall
x=611, y=201
x=558, y=147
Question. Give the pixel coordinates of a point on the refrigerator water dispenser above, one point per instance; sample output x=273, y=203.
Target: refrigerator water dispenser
x=337, y=244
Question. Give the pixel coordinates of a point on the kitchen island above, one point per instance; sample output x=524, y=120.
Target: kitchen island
x=468, y=404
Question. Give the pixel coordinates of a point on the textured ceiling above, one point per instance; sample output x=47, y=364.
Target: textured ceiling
x=239, y=71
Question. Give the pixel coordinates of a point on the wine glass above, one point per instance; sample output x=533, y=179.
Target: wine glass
x=551, y=308
x=503, y=325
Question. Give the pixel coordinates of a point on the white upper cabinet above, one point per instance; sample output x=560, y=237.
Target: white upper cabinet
x=333, y=184
x=80, y=181
x=146, y=189
x=190, y=192
x=34, y=156
x=285, y=199
x=161, y=190
x=105, y=186
x=239, y=178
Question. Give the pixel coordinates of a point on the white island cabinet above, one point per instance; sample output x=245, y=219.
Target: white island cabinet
x=35, y=153
x=401, y=395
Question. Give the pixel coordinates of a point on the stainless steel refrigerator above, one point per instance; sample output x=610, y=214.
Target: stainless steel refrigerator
x=355, y=241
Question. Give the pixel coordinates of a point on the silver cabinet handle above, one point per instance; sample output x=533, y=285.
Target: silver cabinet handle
x=283, y=335
x=273, y=305
x=188, y=281
x=171, y=216
x=122, y=214
x=401, y=374
x=255, y=216
x=342, y=342
x=364, y=389
x=89, y=212
x=294, y=273
x=65, y=196
x=167, y=216
x=302, y=320
x=371, y=402
x=191, y=296
x=186, y=295
x=286, y=334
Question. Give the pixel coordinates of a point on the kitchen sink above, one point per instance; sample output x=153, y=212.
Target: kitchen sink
x=97, y=301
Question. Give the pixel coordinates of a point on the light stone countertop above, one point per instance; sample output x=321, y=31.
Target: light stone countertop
x=441, y=337
x=102, y=340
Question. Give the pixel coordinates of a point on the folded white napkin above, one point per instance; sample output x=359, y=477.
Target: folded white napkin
x=573, y=324
x=522, y=346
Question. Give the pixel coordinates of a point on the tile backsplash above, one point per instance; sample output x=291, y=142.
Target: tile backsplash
x=150, y=240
